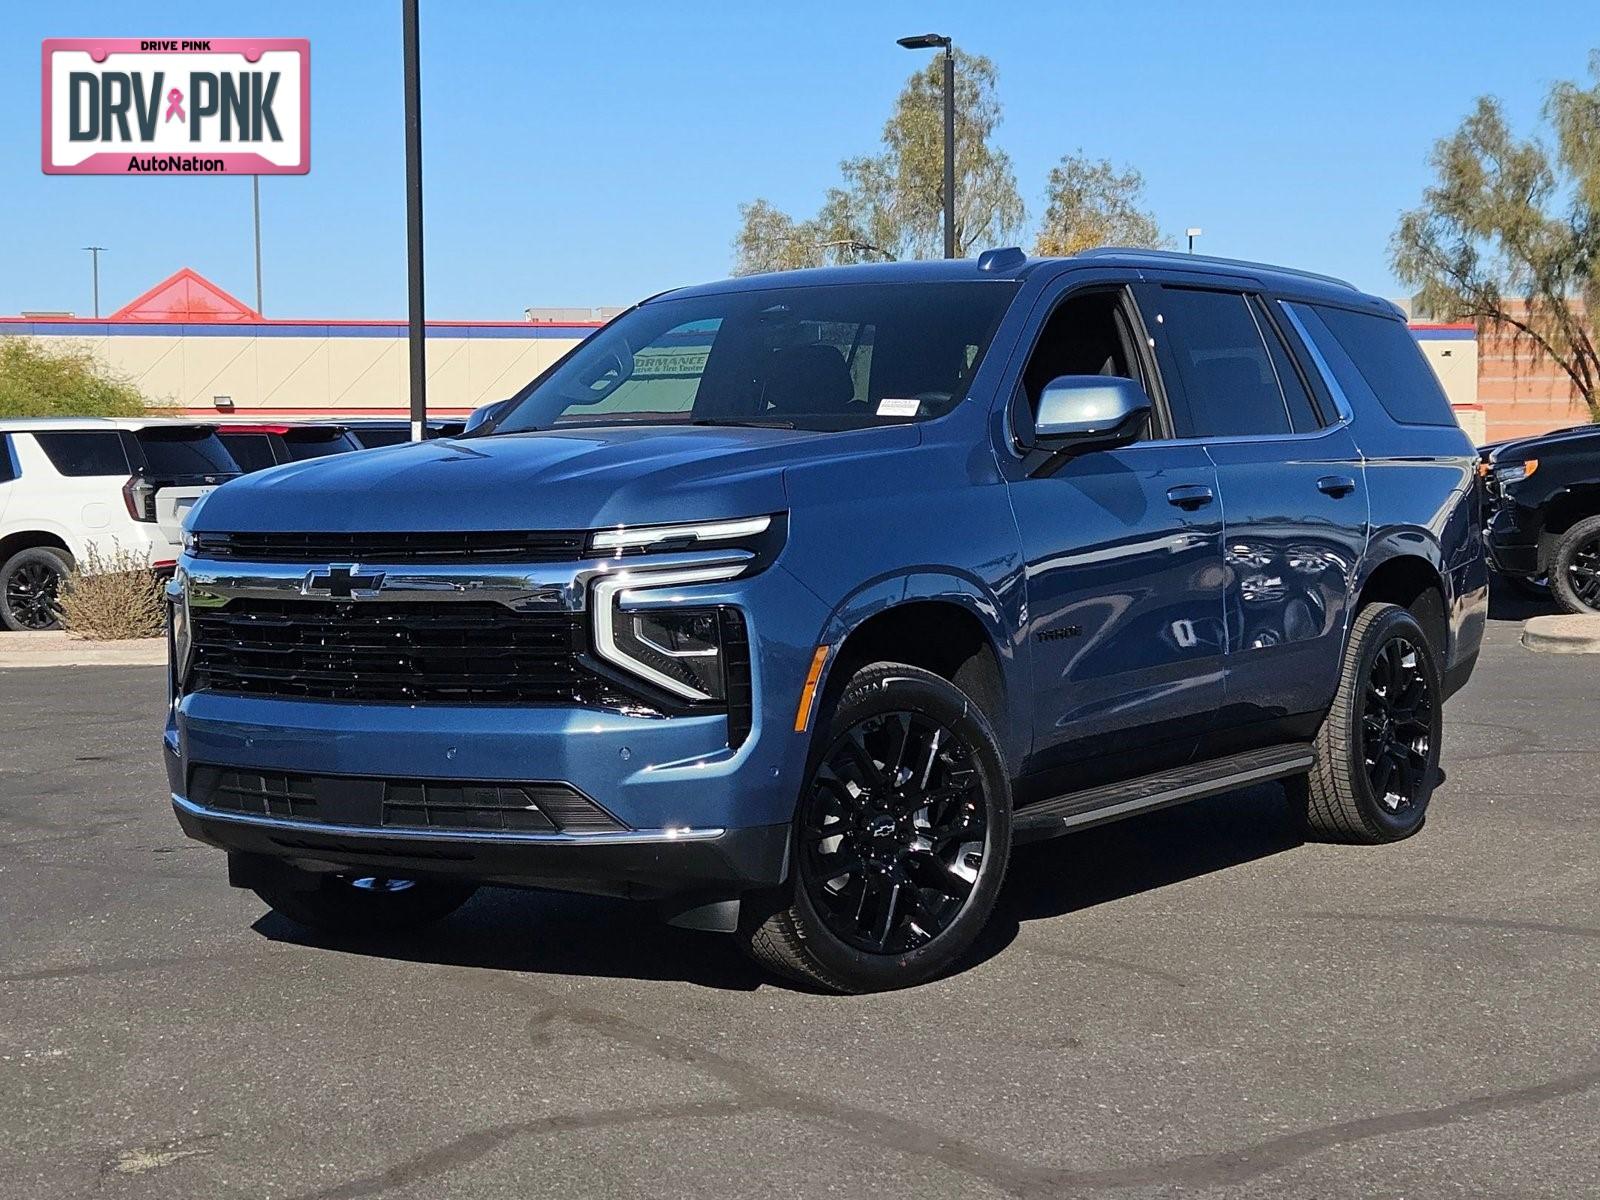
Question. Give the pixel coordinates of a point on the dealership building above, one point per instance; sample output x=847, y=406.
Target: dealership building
x=190, y=346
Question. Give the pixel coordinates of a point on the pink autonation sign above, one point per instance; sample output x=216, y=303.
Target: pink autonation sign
x=157, y=106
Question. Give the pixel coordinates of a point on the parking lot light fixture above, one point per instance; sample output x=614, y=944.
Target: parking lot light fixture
x=1193, y=232
x=930, y=41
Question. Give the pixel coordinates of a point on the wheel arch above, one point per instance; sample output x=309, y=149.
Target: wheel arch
x=1405, y=569
x=947, y=625
x=28, y=539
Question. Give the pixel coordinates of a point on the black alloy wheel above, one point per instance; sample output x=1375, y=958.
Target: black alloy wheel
x=1583, y=572
x=30, y=589
x=892, y=832
x=1397, y=726
x=901, y=837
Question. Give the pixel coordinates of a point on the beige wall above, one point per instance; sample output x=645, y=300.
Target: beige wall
x=317, y=373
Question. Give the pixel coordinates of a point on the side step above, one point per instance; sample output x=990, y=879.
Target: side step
x=1113, y=801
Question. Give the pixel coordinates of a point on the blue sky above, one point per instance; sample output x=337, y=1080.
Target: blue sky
x=583, y=154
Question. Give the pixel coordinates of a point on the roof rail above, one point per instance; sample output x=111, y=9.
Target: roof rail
x=1171, y=258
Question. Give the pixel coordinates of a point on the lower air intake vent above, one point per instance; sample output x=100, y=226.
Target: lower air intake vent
x=348, y=800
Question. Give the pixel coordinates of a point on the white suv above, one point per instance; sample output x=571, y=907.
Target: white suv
x=67, y=484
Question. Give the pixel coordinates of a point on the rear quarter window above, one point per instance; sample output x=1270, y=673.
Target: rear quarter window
x=1376, y=357
x=8, y=459
x=83, y=453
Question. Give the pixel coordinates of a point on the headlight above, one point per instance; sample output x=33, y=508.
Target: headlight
x=762, y=535
x=679, y=649
x=1516, y=471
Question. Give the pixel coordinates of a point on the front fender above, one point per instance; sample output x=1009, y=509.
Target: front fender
x=998, y=615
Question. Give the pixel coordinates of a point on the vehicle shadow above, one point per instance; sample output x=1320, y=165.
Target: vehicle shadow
x=543, y=934
x=1508, y=604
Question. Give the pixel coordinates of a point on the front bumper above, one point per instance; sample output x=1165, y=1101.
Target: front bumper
x=638, y=864
x=1511, y=539
x=697, y=815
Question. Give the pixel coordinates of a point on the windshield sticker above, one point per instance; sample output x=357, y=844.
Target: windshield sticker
x=891, y=406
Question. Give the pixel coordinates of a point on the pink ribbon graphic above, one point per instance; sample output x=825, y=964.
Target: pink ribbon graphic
x=174, y=106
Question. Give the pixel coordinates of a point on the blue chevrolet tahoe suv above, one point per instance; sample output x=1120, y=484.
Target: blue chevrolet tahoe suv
x=793, y=602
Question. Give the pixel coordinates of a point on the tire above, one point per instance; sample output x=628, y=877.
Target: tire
x=1575, y=568
x=357, y=906
x=30, y=581
x=1388, y=708
x=900, y=893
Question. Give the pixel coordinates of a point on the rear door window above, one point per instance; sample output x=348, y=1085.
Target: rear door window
x=178, y=451
x=8, y=462
x=1375, y=357
x=81, y=453
x=1225, y=383
x=1303, y=412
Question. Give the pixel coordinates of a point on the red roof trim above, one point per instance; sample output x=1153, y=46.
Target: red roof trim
x=230, y=307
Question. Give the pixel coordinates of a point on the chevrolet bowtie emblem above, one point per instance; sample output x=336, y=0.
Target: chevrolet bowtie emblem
x=342, y=582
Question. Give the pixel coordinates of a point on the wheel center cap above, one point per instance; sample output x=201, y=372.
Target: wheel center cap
x=881, y=827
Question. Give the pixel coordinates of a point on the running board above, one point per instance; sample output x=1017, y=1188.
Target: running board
x=1113, y=801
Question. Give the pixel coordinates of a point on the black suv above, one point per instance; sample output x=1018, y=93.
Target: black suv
x=1543, y=531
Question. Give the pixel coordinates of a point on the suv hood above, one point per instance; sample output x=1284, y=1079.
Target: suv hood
x=573, y=479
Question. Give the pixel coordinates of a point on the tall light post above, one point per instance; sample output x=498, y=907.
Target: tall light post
x=94, y=252
x=1193, y=231
x=255, y=204
x=418, y=330
x=930, y=41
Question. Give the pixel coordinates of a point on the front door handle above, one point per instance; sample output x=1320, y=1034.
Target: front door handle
x=1190, y=496
x=1336, y=485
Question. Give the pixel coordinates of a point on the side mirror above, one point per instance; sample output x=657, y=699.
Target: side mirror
x=484, y=414
x=1089, y=409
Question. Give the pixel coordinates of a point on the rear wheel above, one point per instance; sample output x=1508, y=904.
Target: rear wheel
x=1377, y=753
x=30, y=584
x=902, y=834
x=355, y=905
x=1575, y=568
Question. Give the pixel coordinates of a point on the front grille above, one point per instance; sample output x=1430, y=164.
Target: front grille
x=347, y=800
x=397, y=652
x=494, y=546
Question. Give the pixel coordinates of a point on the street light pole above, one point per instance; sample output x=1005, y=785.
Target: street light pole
x=418, y=330
x=927, y=41
x=94, y=253
x=1193, y=233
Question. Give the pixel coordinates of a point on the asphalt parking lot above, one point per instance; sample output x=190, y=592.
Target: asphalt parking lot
x=1191, y=1003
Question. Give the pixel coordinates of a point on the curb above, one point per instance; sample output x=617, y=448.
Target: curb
x=29, y=650
x=1562, y=634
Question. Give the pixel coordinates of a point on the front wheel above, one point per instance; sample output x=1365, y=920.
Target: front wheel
x=356, y=905
x=1377, y=753
x=1575, y=568
x=901, y=839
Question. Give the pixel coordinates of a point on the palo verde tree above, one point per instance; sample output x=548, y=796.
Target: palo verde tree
x=1508, y=234
x=890, y=205
x=1089, y=202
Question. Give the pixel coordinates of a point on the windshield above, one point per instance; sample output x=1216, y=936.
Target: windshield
x=823, y=358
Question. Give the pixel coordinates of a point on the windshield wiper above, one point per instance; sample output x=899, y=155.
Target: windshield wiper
x=745, y=422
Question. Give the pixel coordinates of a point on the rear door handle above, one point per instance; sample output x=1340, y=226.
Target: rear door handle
x=1336, y=485
x=1190, y=495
